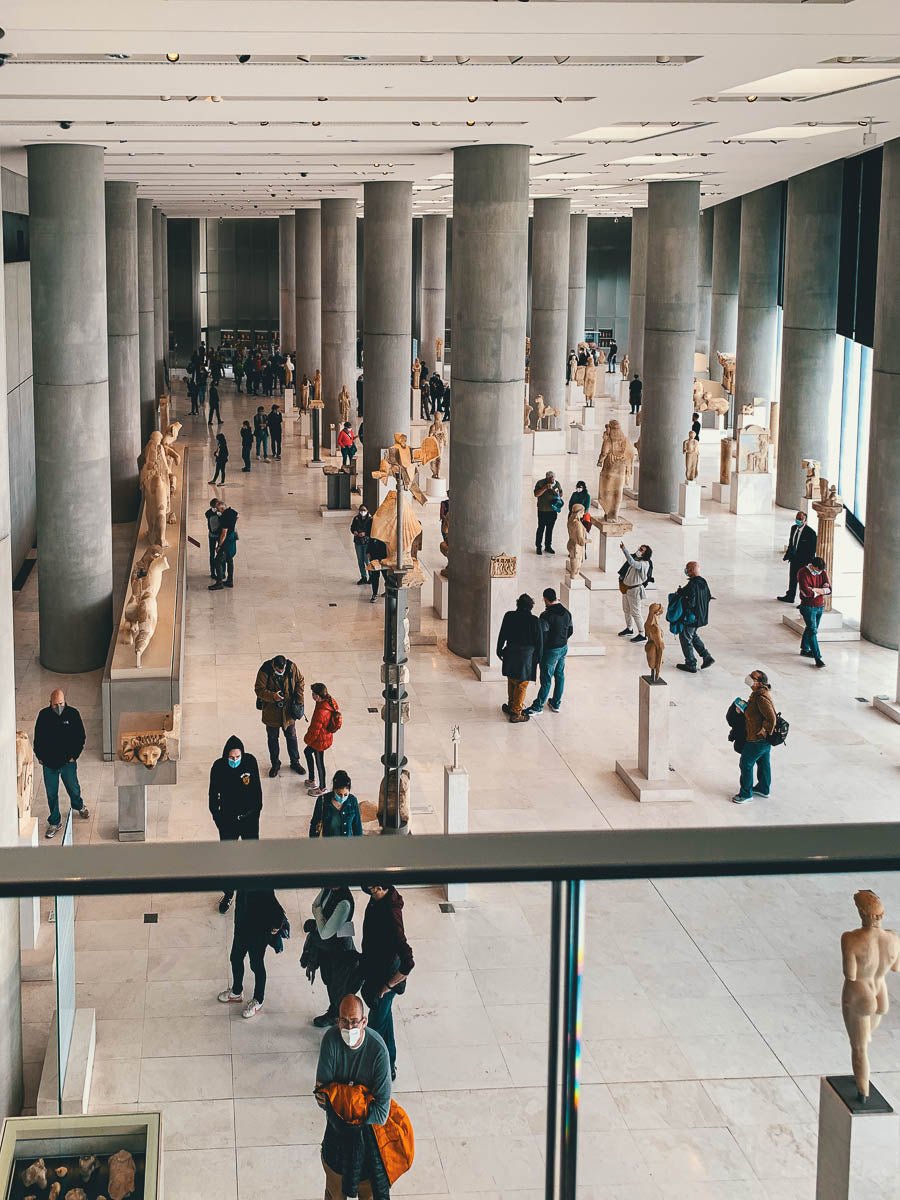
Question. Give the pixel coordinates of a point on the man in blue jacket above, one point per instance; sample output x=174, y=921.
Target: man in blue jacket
x=58, y=742
x=695, y=598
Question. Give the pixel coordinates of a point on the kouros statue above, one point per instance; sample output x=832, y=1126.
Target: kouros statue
x=655, y=645
x=616, y=463
x=868, y=954
x=24, y=775
x=625, y=366
x=438, y=431
x=578, y=539
x=317, y=401
x=157, y=485
x=344, y=404
x=439, y=349
x=812, y=467
x=726, y=453
x=590, y=380
x=305, y=392
x=690, y=448
x=416, y=374
x=726, y=362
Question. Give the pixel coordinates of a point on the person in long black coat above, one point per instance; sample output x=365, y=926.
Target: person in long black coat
x=235, y=798
x=520, y=645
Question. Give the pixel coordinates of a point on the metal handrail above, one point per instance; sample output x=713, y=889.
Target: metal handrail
x=460, y=858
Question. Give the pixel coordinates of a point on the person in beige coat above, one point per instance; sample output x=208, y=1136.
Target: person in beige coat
x=279, y=698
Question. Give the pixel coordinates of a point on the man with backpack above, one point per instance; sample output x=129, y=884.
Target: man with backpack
x=695, y=597
x=279, y=697
x=760, y=721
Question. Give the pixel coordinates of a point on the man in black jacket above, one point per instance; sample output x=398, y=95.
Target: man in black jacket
x=520, y=646
x=801, y=549
x=235, y=798
x=361, y=527
x=226, y=547
x=212, y=533
x=275, y=424
x=695, y=598
x=556, y=626
x=58, y=742
x=635, y=393
x=258, y=919
x=387, y=960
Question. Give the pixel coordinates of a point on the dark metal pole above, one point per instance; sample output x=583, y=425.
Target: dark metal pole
x=394, y=672
x=552, y=1132
x=316, y=435
x=574, y=952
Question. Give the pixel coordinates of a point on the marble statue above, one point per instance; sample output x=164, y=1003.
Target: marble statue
x=527, y=428
x=697, y=395
x=401, y=460
x=141, y=614
x=579, y=375
x=601, y=357
x=578, y=539
x=438, y=431
x=655, y=646
x=317, y=401
x=455, y=738
x=387, y=813
x=444, y=545
x=157, y=741
x=625, y=366
x=305, y=392
x=121, y=1175
x=156, y=485
x=344, y=404
x=590, y=380
x=710, y=403
x=147, y=572
x=170, y=437
x=690, y=448
x=812, y=467
x=616, y=463
x=828, y=494
x=758, y=460
x=868, y=954
x=727, y=363
x=545, y=417
x=572, y=363
x=400, y=464
x=288, y=371
x=24, y=775
x=503, y=566
x=416, y=374
x=439, y=349
x=726, y=453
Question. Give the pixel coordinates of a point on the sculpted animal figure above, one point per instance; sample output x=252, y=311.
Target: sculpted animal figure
x=655, y=645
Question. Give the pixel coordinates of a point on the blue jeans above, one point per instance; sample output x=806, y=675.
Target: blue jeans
x=361, y=549
x=553, y=671
x=758, y=754
x=381, y=1019
x=68, y=773
x=262, y=443
x=811, y=618
x=690, y=641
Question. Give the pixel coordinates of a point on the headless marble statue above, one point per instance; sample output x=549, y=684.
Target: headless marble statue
x=655, y=646
x=868, y=954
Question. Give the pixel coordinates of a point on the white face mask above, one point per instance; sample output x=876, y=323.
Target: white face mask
x=749, y=680
x=352, y=1037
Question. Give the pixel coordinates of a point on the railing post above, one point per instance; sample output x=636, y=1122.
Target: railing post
x=573, y=948
x=553, y=1039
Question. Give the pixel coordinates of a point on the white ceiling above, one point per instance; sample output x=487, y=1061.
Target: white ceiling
x=286, y=132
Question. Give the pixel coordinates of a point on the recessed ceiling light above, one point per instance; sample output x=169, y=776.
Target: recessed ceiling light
x=662, y=59
x=264, y=122
x=426, y=58
x=304, y=58
x=215, y=99
x=561, y=58
x=471, y=99
x=470, y=123
x=515, y=58
x=243, y=58
x=317, y=123
x=752, y=99
x=118, y=56
x=165, y=97
x=462, y=59
x=417, y=124
x=322, y=99
x=172, y=55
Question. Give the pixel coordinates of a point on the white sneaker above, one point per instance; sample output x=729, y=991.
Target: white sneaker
x=230, y=997
x=251, y=1009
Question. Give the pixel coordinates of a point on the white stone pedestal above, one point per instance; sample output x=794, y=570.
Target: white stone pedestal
x=651, y=778
x=305, y=428
x=832, y=627
x=288, y=401
x=29, y=906
x=713, y=420
x=441, y=602
x=131, y=780
x=859, y=1151
x=548, y=441
x=435, y=489
x=607, y=534
x=721, y=493
x=76, y=1089
x=456, y=817
x=632, y=492
x=500, y=599
x=414, y=612
x=689, y=505
x=632, y=429
x=751, y=494
x=574, y=595
x=890, y=708
x=588, y=417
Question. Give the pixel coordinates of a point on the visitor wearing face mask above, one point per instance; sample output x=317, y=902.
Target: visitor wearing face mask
x=351, y=1053
x=347, y=445
x=361, y=527
x=800, y=550
x=330, y=949
x=336, y=813
x=633, y=579
x=226, y=547
x=246, y=444
x=258, y=922
x=279, y=697
x=387, y=960
x=235, y=798
x=759, y=723
x=695, y=597
x=323, y=725
x=814, y=586
x=58, y=742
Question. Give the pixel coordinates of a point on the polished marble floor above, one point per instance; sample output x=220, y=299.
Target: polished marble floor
x=710, y=1007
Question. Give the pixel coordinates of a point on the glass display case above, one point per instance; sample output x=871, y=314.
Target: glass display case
x=96, y=1155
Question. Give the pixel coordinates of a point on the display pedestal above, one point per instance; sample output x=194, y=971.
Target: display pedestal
x=305, y=428
x=131, y=780
x=588, y=417
x=435, y=489
x=608, y=535
x=710, y=419
x=501, y=597
x=288, y=401
x=316, y=425
x=76, y=1088
x=415, y=403
x=456, y=817
x=859, y=1147
x=832, y=627
x=751, y=494
x=574, y=596
x=441, y=602
x=414, y=613
x=689, y=506
x=651, y=778
x=721, y=493
x=632, y=429
x=29, y=906
x=548, y=441
x=632, y=492
x=890, y=708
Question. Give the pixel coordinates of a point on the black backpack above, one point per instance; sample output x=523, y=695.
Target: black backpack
x=778, y=736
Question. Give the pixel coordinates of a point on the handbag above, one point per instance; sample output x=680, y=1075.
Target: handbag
x=557, y=504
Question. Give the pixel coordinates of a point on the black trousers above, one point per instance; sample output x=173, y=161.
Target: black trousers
x=792, y=580
x=213, y=541
x=276, y=441
x=546, y=521
x=225, y=567
x=214, y=412
x=245, y=455
x=315, y=765
x=239, y=952
x=245, y=831
x=273, y=739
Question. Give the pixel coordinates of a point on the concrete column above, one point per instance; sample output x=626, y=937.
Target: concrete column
x=146, y=330
x=434, y=286
x=196, y=322
x=669, y=336
x=757, y=323
x=11, y=1088
x=704, y=282
x=638, y=299
x=881, y=568
x=725, y=277
x=287, y=302
x=338, y=306
x=808, y=346
x=71, y=405
x=164, y=249
x=578, y=239
x=550, y=234
x=123, y=347
x=158, y=316
x=308, y=291
x=490, y=268
x=387, y=303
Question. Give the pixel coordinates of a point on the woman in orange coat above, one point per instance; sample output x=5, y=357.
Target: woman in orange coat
x=323, y=725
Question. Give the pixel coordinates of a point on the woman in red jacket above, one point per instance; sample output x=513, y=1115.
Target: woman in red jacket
x=324, y=724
